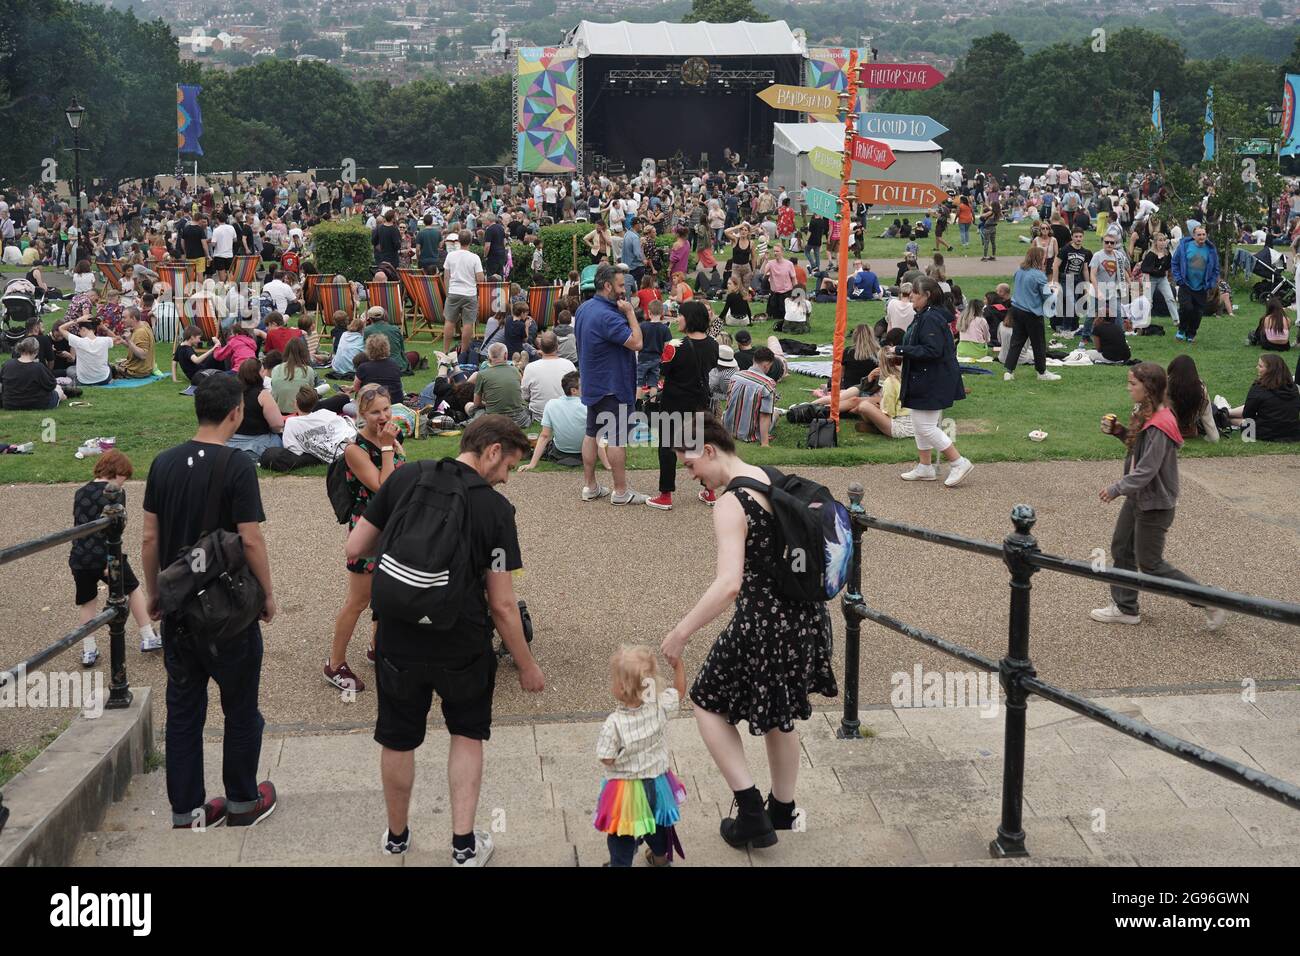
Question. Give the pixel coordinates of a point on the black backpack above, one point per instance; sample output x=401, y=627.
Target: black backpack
x=423, y=565
x=814, y=536
x=336, y=487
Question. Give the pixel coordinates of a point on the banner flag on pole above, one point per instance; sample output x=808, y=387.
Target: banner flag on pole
x=1155, y=112
x=1290, y=142
x=189, y=120
x=1209, y=122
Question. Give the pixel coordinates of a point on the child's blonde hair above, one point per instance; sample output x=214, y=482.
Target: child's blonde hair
x=631, y=666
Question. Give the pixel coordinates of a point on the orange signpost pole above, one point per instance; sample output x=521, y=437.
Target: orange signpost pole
x=848, y=103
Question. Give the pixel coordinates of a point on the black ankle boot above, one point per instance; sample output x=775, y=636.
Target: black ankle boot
x=781, y=814
x=751, y=825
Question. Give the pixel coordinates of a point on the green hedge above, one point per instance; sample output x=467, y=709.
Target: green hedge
x=344, y=247
x=557, y=248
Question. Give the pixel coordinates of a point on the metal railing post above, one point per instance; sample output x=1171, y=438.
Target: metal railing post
x=119, y=690
x=850, y=726
x=1010, y=840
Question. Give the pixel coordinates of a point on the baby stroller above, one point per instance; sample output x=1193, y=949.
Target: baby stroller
x=21, y=305
x=1273, y=281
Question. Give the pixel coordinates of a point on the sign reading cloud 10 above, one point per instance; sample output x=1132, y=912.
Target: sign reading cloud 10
x=899, y=126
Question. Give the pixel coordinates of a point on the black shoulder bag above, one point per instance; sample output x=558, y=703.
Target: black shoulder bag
x=210, y=593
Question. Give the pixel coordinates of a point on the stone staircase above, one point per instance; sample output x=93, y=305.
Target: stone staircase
x=925, y=789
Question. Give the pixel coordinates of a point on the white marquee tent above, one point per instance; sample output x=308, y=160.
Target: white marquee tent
x=915, y=162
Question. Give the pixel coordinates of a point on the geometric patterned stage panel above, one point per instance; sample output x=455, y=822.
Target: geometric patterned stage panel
x=826, y=69
x=547, y=125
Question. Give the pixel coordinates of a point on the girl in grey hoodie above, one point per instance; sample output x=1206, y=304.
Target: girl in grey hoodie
x=1149, y=488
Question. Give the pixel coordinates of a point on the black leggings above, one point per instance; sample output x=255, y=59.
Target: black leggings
x=1027, y=327
x=335, y=403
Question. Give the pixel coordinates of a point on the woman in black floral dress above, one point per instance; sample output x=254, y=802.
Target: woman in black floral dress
x=774, y=653
x=374, y=456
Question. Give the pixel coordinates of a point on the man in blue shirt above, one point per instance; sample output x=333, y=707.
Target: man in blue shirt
x=609, y=338
x=1195, y=268
x=632, y=255
x=864, y=284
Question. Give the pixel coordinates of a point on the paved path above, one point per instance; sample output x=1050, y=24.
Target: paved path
x=597, y=576
x=924, y=790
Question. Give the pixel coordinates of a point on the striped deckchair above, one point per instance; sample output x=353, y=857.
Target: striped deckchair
x=179, y=277
x=244, y=268
x=427, y=294
x=332, y=296
x=542, y=300
x=309, y=299
x=202, y=311
x=493, y=299
x=113, y=272
x=388, y=296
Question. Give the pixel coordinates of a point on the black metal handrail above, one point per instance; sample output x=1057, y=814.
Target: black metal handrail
x=1019, y=550
x=112, y=523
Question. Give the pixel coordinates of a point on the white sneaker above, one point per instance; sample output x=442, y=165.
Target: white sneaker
x=393, y=847
x=591, y=494
x=920, y=473
x=1214, y=617
x=482, y=851
x=90, y=658
x=1008, y=376
x=148, y=644
x=629, y=497
x=958, y=471
x=1048, y=377
x=1110, y=614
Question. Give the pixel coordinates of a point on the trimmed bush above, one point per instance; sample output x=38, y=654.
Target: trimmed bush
x=346, y=248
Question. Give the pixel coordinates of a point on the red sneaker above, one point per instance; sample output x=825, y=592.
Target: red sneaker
x=707, y=496
x=343, y=678
x=662, y=501
x=264, y=807
x=213, y=815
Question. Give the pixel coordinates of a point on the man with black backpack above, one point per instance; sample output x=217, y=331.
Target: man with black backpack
x=446, y=546
x=194, y=489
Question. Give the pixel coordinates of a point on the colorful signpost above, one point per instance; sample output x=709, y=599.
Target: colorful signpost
x=905, y=195
x=870, y=152
x=915, y=129
x=899, y=76
x=822, y=203
x=802, y=98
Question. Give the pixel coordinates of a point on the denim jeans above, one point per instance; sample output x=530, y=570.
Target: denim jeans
x=965, y=232
x=237, y=671
x=622, y=849
x=815, y=258
x=255, y=444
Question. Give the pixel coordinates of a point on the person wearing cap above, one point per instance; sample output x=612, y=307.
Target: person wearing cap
x=377, y=324
x=908, y=270
x=720, y=379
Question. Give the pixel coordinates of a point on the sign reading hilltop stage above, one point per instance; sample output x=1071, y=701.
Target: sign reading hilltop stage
x=900, y=195
x=900, y=76
x=802, y=98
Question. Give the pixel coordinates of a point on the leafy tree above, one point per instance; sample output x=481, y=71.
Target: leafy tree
x=234, y=57
x=1270, y=9
x=723, y=11
x=294, y=31
x=325, y=49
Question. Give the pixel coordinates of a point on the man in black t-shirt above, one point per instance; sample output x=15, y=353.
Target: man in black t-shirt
x=1074, y=282
x=194, y=241
x=175, y=501
x=388, y=240
x=494, y=246
x=1110, y=345
x=414, y=661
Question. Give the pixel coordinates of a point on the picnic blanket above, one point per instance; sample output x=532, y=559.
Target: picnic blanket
x=822, y=369
x=132, y=382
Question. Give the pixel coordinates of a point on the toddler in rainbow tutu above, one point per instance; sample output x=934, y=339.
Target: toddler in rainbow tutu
x=640, y=797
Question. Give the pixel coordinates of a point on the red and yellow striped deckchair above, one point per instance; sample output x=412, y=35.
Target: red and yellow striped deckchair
x=244, y=268
x=388, y=296
x=309, y=299
x=179, y=278
x=493, y=299
x=542, y=300
x=202, y=311
x=332, y=296
x=427, y=293
x=113, y=272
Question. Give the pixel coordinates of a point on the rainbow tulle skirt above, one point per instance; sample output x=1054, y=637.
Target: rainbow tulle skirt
x=637, y=807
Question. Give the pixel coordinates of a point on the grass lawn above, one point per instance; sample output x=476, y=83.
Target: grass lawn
x=992, y=422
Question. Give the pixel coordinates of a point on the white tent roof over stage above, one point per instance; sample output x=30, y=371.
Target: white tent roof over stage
x=684, y=39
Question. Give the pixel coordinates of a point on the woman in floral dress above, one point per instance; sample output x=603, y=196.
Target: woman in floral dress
x=771, y=656
x=374, y=456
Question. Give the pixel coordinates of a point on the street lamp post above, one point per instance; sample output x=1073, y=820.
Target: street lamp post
x=75, y=114
x=1274, y=115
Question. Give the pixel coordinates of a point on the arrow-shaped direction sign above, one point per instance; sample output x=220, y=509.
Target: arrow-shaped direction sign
x=899, y=76
x=872, y=153
x=904, y=195
x=803, y=98
x=822, y=203
x=900, y=126
x=827, y=162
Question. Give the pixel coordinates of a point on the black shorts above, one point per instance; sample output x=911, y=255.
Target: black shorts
x=608, y=419
x=406, y=688
x=87, y=581
x=221, y=264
